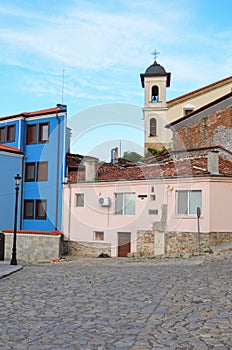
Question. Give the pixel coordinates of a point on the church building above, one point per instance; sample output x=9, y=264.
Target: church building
x=158, y=112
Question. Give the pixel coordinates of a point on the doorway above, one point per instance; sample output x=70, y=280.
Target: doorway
x=124, y=244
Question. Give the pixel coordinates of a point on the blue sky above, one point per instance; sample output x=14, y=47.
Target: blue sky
x=103, y=46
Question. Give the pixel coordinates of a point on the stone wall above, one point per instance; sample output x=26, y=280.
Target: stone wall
x=180, y=242
x=89, y=249
x=33, y=248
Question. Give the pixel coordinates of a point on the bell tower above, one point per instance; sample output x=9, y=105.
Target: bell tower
x=155, y=80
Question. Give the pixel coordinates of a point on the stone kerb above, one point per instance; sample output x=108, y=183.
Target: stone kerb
x=33, y=247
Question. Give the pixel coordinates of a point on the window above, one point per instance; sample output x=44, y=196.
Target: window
x=125, y=203
x=41, y=208
x=188, y=201
x=155, y=94
x=98, y=236
x=2, y=134
x=28, y=209
x=43, y=132
x=10, y=136
x=7, y=133
x=30, y=172
x=153, y=212
x=187, y=111
x=152, y=127
x=79, y=199
x=42, y=171
x=31, y=134
x=36, y=171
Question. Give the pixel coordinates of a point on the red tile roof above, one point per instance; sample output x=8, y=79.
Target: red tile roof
x=53, y=110
x=34, y=232
x=192, y=166
x=10, y=149
x=73, y=160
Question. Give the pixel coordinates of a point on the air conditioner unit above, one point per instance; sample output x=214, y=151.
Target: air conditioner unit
x=104, y=201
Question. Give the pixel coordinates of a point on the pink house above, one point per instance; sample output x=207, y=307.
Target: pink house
x=151, y=208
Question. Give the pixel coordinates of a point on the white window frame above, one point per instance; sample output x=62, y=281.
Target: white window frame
x=95, y=235
x=188, y=213
x=123, y=210
x=79, y=195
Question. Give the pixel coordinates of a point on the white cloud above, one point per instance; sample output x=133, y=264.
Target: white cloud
x=104, y=45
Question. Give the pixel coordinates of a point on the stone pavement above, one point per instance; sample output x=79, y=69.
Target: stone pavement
x=6, y=269
x=119, y=304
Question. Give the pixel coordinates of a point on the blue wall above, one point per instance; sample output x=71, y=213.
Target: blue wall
x=51, y=190
x=53, y=152
x=11, y=164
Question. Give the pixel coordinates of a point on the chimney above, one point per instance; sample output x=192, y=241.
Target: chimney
x=114, y=155
x=90, y=164
x=213, y=163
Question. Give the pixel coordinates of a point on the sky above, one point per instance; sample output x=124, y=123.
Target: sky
x=89, y=54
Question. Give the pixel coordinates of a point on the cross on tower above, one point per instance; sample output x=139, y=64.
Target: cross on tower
x=155, y=53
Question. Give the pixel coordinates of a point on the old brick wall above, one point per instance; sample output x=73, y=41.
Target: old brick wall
x=181, y=242
x=212, y=130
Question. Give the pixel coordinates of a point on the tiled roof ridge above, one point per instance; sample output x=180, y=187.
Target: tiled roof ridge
x=10, y=149
x=200, y=89
x=34, y=113
x=49, y=233
x=200, y=109
x=201, y=149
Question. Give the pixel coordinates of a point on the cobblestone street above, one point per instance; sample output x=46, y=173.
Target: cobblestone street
x=119, y=304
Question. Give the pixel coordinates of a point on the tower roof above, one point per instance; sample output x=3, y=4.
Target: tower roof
x=155, y=70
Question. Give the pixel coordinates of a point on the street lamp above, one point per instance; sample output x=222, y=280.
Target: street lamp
x=17, y=183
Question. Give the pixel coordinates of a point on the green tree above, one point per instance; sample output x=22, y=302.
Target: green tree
x=155, y=152
x=132, y=156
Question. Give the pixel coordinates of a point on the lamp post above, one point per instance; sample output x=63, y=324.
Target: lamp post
x=17, y=182
x=198, y=228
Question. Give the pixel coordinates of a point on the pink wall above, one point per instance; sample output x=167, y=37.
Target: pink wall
x=220, y=205
x=80, y=223
x=188, y=223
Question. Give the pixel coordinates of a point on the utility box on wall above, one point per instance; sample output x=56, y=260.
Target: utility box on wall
x=159, y=243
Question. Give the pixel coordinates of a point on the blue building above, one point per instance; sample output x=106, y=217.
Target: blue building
x=11, y=160
x=42, y=139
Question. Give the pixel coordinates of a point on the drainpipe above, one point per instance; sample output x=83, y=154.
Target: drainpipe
x=57, y=172
x=23, y=167
x=21, y=195
x=69, y=216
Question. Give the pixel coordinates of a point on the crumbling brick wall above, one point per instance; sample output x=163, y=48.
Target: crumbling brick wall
x=212, y=130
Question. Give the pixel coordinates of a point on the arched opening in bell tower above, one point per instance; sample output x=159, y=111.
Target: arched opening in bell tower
x=155, y=93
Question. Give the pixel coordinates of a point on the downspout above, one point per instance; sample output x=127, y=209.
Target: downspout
x=21, y=195
x=23, y=167
x=57, y=172
x=69, y=216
